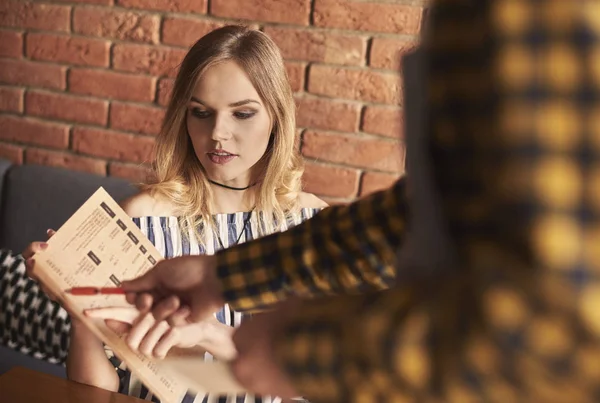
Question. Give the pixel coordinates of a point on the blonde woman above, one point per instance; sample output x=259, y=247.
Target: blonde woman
x=227, y=171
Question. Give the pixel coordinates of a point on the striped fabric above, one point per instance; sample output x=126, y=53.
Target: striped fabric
x=166, y=235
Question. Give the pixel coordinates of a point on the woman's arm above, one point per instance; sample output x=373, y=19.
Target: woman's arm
x=87, y=362
x=217, y=339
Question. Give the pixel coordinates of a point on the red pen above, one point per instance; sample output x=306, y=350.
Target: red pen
x=94, y=290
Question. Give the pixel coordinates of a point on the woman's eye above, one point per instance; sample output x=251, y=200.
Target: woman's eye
x=244, y=115
x=200, y=113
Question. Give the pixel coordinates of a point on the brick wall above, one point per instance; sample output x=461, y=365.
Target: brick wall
x=83, y=83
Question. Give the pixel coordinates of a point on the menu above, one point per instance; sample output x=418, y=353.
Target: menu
x=100, y=246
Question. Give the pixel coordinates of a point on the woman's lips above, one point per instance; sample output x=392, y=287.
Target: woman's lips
x=220, y=158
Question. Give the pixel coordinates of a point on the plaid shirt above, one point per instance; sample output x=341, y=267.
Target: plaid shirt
x=514, y=106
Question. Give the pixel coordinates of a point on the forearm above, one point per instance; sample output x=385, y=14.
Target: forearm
x=87, y=362
x=344, y=249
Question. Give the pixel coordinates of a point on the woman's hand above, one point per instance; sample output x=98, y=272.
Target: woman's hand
x=28, y=253
x=155, y=339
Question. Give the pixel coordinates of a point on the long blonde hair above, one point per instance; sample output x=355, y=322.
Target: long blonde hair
x=179, y=175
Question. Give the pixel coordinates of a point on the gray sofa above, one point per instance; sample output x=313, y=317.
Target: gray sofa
x=33, y=199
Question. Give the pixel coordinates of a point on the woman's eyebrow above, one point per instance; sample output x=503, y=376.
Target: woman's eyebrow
x=234, y=104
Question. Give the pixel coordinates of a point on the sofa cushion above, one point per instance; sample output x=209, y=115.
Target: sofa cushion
x=35, y=198
x=34, y=331
x=4, y=166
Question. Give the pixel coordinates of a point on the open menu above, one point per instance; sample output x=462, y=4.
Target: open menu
x=100, y=246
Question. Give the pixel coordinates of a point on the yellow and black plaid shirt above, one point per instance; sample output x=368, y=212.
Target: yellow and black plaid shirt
x=514, y=107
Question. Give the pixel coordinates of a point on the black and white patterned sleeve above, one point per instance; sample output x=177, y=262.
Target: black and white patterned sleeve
x=29, y=321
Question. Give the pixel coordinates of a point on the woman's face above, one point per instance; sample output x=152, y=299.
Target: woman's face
x=228, y=124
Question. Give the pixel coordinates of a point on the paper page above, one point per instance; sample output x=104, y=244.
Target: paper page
x=100, y=246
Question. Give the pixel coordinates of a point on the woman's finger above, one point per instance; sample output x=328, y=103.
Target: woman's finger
x=121, y=314
x=29, y=263
x=166, y=343
x=139, y=330
x=152, y=337
x=50, y=232
x=48, y=293
x=27, y=254
x=33, y=248
x=117, y=327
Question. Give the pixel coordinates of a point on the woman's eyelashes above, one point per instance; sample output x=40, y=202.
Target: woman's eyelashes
x=204, y=114
x=200, y=114
x=244, y=115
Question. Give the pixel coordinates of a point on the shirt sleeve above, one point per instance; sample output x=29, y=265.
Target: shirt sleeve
x=515, y=154
x=338, y=349
x=343, y=249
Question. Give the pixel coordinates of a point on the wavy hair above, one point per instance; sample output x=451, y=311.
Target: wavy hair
x=179, y=175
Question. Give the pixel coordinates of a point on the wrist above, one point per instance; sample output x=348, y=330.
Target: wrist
x=206, y=332
x=221, y=265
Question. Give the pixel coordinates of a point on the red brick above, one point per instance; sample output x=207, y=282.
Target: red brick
x=352, y=150
x=132, y=172
x=116, y=24
x=286, y=11
x=22, y=72
x=11, y=99
x=182, y=6
x=136, y=118
x=67, y=49
x=386, y=52
x=368, y=16
x=165, y=86
x=330, y=181
x=11, y=44
x=185, y=31
x=154, y=60
x=65, y=160
x=34, y=131
x=111, y=144
x=109, y=84
x=66, y=107
x=322, y=113
x=12, y=153
x=358, y=84
x=375, y=181
x=319, y=46
x=24, y=14
x=383, y=120
x=100, y=2
x=295, y=72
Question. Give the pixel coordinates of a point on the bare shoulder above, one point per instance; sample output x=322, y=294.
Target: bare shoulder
x=309, y=200
x=146, y=204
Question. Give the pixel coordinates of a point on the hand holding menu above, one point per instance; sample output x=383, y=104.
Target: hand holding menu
x=100, y=246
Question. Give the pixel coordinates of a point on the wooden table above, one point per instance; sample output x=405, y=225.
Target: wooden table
x=22, y=385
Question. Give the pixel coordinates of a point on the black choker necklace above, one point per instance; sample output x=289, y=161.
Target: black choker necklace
x=230, y=187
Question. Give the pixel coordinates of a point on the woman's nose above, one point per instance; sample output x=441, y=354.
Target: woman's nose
x=220, y=130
